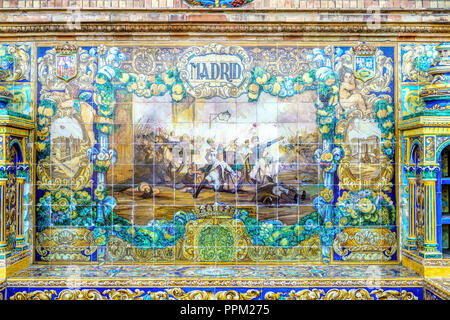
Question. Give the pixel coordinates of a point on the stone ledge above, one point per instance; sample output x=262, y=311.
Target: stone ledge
x=53, y=282
x=227, y=28
x=439, y=286
x=313, y=16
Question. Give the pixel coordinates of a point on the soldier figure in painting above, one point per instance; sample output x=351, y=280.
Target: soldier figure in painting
x=217, y=171
x=261, y=161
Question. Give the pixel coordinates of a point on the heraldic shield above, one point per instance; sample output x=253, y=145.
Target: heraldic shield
x=364, y=64
x=66, y=62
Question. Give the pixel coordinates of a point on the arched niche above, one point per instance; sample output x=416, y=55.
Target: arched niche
x=414, y=157
x=16, y=155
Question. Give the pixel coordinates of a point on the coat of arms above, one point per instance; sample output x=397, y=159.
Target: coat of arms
x=66, y=62
x=364, y=63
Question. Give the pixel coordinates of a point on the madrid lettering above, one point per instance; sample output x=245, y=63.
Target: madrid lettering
x=228, y=71
x=215, y=71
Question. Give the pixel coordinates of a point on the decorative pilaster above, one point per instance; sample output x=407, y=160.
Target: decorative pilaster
x=22, y=172
x=436, y=96
x=3, y=218
x=429, y=125
x=411, y=241
x=429, y=248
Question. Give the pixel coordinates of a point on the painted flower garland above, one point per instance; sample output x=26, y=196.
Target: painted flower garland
x=364, y=208
x=65, y=207
x=384, y=114
x=163, y=233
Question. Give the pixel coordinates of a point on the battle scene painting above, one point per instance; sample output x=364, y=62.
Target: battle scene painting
x=258, y=156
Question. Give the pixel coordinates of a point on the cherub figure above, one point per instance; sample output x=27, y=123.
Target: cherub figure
x=349, y=95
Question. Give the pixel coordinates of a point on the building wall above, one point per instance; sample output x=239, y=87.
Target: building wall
x=125, y=102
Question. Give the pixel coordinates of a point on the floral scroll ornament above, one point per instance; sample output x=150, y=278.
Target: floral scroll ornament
x=412, y=101
x=136, y=294
x=328, y=161
x=110, y=78
x=416, y=59
x=6, y=97
x=6, y=63
x=429, y=149
x=14, y=63
x=374, y=244
x=341, y=294
x=63, y=244
x=14, y=99
x=180, y=294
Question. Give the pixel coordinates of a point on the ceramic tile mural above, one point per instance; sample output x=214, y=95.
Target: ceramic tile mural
x=15, y=76
x=215, y=153
x=416, y=58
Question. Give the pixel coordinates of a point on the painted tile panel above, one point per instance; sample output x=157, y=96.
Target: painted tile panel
x=415, y=58
x=215, y=153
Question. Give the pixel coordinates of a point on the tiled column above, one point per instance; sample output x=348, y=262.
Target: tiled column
x=21, y=180
x=430, y=244
x=411, y=242
x=3, y=242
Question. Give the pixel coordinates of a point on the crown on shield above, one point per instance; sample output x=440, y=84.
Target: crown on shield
x=364, y=50
x=66, y=49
